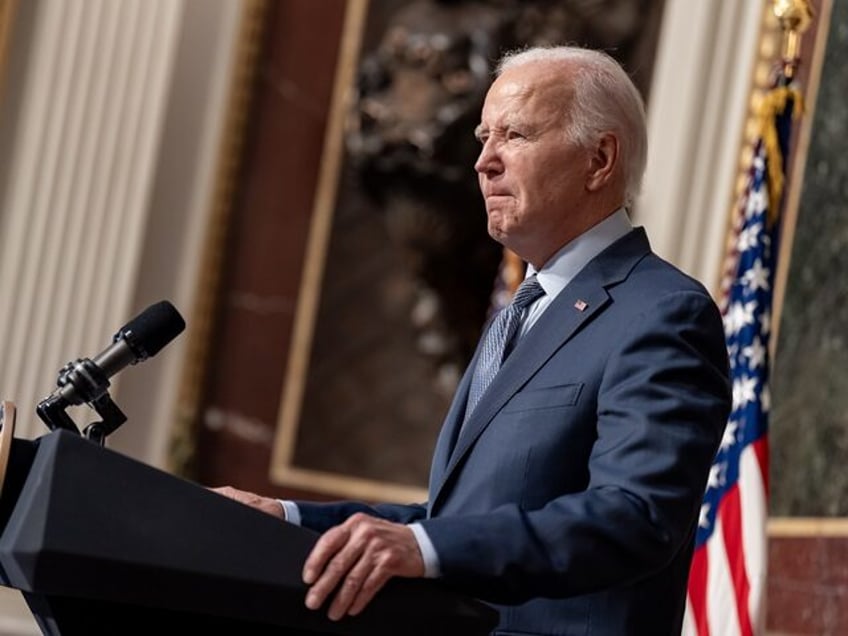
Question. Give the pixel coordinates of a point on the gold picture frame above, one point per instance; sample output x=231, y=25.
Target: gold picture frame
x=8, y=9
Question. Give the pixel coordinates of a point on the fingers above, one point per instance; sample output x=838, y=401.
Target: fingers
x=227, y=491
x=265, y=504
x=331, y=559
x=373, y=584
x=350, y=588
x=356, y=559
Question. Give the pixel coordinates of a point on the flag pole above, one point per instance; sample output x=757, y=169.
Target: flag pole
x=794, y=17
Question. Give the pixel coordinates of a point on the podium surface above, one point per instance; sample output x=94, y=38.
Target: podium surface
x=102, y=544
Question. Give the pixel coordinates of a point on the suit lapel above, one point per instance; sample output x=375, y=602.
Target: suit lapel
x=450, y=428
x=582, y=299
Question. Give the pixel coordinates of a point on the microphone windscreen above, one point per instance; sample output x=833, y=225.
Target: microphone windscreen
x=152, y=329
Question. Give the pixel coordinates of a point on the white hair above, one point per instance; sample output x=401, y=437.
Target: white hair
x=604, y=99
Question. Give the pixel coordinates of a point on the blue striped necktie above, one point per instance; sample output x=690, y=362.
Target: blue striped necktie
x=498, y=339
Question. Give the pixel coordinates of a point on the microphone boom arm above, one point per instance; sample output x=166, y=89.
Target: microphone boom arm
x=81, y=382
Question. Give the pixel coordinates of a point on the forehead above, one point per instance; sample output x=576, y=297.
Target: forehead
x=530, y=91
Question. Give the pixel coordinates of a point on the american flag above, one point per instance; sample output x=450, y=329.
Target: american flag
x=728, y=576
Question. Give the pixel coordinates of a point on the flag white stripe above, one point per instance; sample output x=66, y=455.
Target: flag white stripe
x=752, y=500
x=721, y=600
x=688, y=621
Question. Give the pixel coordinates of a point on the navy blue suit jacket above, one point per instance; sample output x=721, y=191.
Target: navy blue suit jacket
x=571, y=498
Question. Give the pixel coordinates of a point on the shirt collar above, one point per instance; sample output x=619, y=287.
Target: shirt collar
x=565, y=264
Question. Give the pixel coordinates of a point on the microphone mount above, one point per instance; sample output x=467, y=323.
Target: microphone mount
x=89, y=385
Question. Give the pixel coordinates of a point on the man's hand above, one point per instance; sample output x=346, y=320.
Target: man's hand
x=361, y=554
x=265, y=504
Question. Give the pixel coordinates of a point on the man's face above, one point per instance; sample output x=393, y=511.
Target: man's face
x=531, y=174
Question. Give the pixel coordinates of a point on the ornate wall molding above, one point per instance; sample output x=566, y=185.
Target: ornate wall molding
x=182, y=440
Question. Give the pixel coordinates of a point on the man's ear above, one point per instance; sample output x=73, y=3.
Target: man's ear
x=603, y=162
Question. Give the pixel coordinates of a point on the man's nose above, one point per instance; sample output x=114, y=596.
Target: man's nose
x=488, y=161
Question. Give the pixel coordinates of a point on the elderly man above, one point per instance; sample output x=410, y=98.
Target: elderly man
x=566, y=481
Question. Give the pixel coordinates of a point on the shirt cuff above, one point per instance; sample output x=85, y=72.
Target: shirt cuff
x=432, y=569
x=291, y=512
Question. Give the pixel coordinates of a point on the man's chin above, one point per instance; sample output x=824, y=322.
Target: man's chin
x=502, y=235
x=498, y=224
x=496, y=231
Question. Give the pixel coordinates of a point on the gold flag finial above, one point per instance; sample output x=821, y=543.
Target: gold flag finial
x=794, y=17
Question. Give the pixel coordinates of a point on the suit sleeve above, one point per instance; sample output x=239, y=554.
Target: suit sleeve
x=323, y=516
x=662, y=404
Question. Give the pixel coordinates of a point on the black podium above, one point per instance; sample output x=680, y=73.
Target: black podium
x=99, y=543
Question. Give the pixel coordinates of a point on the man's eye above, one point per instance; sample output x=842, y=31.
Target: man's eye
x=514, y=134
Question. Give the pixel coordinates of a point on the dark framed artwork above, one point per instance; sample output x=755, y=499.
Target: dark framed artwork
x=399, y=272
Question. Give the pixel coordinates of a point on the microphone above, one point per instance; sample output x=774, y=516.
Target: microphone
x=142, y=337
x=86, y=380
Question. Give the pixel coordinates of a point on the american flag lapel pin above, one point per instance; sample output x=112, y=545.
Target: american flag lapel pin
x=581, y=305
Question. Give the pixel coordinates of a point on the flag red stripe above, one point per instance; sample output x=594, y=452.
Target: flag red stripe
x=761, y=450
x=698, y=590
x=731, y=524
